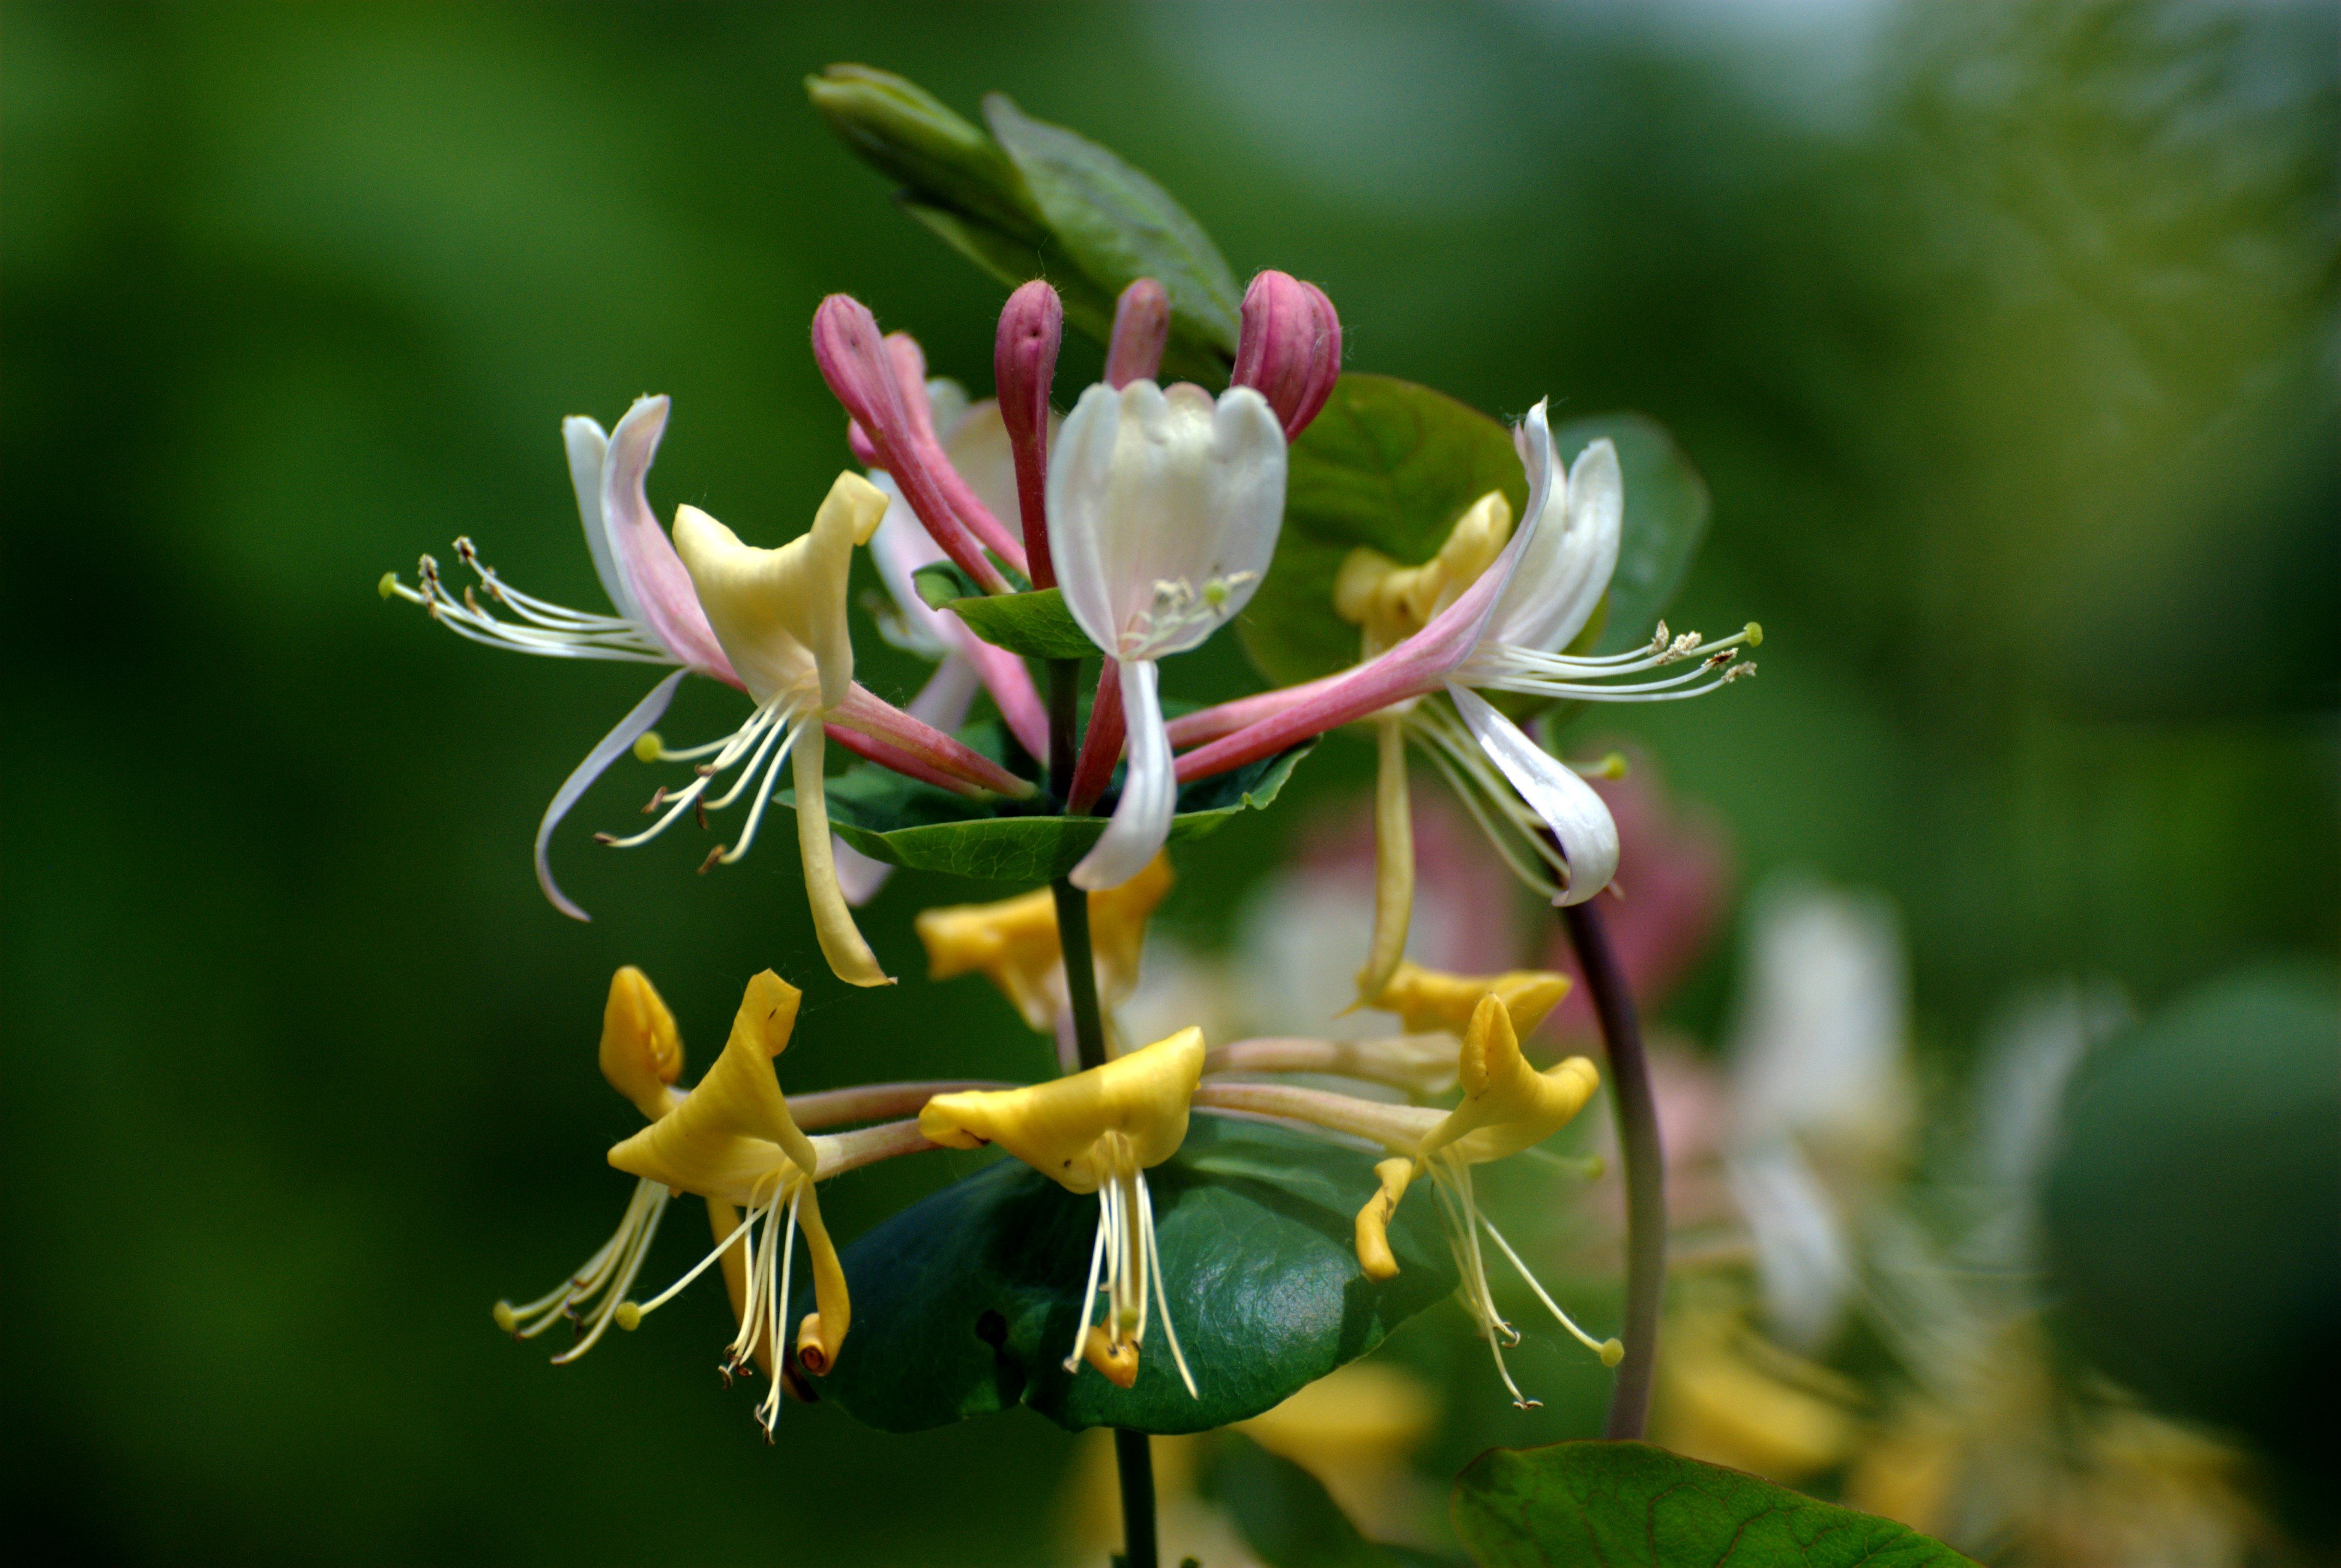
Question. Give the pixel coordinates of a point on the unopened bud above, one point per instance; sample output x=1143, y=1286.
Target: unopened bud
x=1141, y=327
x=906, y=134
x=1024, y=367
x=863, y=370
x=1291, y=349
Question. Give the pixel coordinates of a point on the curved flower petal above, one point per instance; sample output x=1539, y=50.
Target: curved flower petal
x=1150, y=789
x=615, y=744
x=942, y=702
x=849, y=957
x=1567, y=569
x=589, y=449
x=1588, y=837
x=1164, y=511
x=780, y=614
x=657, y=588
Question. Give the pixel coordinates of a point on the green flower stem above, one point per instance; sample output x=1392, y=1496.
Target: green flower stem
x=1645, y=1161
x=1133, y=1456
x=1132, y=1451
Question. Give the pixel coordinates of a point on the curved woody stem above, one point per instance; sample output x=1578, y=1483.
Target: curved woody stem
x=1645, y=1161
x=1132, y=1451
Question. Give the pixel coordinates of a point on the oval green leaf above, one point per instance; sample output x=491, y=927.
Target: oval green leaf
x=1118, y=225
x=966, y=1303
x=908, y=823
x=1035, y=624
x=1634, y=1505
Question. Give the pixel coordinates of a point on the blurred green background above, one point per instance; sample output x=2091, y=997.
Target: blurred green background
x=2005, y=336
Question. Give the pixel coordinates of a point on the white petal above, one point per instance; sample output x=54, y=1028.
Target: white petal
x=1566, y=567
x=1151, y=489
x=1579, y=820
x=611, y=746
x=1801, y=1249
x=588, y=446
x=1150, y=789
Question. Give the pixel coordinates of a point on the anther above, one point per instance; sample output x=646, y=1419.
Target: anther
x=658, y=799
x=713, y=856
x=605, y=838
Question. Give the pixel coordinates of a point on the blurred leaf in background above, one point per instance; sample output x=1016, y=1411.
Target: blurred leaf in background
x=2002, y=337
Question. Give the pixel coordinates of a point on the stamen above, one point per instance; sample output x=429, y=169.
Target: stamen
x=630, y=1313
x=1610, y=1351
x=543, y=628
x=1088, y=1292
x=1154, y=1260
x=605, y=1278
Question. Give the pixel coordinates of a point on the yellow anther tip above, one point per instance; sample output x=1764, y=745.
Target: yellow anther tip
x=649, y=747
x=506, y=1319
x=1755, y=635
x=389, y=584
x=1612, y=1351
x=628, y=1317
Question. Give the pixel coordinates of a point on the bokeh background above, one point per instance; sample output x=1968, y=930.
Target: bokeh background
x=2004, y=336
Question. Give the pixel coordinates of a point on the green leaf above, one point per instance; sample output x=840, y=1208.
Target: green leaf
x=1633, y=1505
x=1119, y=226
x=1667, y=509
x=905, y=822
x=1035, y=624
x=907, y=134
x=1287, y=1516
x=966, y=1302
x=1389, y=463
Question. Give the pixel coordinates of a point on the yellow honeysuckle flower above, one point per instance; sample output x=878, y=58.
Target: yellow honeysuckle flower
x=780, y=617
x=1728, y=1395
x=1013, y=943
x=731, y=1140
x=1428, y=999
x=1508, y=1106
x=1097, y=1131
x=641, y=1054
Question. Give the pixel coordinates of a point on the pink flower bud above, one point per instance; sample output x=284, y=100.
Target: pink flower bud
x=1291, y=349
x=1141, y=325
x=865, y=450
x=1023, y=367
x=864, y=373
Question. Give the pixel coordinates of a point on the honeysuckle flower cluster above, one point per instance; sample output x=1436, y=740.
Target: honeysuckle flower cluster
x=1153, y=512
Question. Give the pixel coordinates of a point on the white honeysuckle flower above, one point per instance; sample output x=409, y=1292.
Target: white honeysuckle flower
x=658, y=618
x=1497, y=627
x=1164, y=511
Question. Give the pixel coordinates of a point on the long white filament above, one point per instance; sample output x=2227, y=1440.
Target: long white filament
x=603, y=1280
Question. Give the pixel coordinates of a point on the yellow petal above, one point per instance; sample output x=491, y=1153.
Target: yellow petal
x=822, y=1333
x=1062, y=1128
x=1507, y=1105
x=1393, y=860
x=1012, y=942
x=780, y=614
x=640, y=1050
x=849, y=957
x=1374, y=1254
x=733, y=1134
x=1433, y=999
x=1393, y=602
